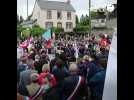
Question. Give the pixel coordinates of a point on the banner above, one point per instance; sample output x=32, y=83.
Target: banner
x=53, y=36
x=49, y=44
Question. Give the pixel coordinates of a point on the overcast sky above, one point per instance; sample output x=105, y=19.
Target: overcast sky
x=81, y=6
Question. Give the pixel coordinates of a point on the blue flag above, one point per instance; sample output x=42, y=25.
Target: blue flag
x=47, y=35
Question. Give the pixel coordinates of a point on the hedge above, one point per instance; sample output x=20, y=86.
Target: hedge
x=81, y=29
x=57, y=30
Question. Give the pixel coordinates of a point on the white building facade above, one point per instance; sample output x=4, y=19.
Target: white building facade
x=54, y=14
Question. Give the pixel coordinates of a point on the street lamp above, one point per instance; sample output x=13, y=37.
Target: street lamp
x=89, y=18
x=27, y=8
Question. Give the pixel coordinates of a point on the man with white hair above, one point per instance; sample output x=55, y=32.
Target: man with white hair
x=74, y=86
x=73, y=69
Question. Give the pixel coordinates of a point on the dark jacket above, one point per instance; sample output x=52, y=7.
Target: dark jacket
x=38, y=66
x=24, y=81
x=69, y=86
x=83, y=68
x=66, y=87
x=96, y=84
x=93, y=68
x=60, y=73
x=22, y=67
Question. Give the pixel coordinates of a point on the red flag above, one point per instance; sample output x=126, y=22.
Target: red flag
x=49, y=44
x=24, y=44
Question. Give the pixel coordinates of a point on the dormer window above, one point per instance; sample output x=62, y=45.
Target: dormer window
x=68, y=15
x=49, y=14
x=59, y=15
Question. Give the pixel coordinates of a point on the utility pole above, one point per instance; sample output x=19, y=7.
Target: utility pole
x=89, y=18
x=27, y=8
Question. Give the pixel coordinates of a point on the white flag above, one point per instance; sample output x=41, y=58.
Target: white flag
x=76, y=51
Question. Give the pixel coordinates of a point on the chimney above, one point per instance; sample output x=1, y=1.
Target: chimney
x=68, y=1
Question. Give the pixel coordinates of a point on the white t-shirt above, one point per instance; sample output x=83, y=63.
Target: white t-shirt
x=76, y=51
x=86, y=45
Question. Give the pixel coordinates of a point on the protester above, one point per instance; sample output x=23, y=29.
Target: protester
x=34, y=89
x=74, y=87
x=46, y=74
x=37, y=64
x=96, y=83
x=24, y=81
x=22, y=65
x=77, y=70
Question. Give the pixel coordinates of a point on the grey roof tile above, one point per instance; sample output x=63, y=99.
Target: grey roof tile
x=55, y=5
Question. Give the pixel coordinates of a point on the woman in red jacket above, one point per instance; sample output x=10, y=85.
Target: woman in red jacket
x=46, y=77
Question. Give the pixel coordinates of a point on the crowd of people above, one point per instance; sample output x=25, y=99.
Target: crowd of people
x=77, y=71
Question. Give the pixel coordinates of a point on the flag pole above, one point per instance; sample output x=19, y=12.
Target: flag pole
x=89, y=18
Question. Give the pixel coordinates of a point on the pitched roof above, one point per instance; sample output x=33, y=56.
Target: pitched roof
x=55, y=5
x=28, y=22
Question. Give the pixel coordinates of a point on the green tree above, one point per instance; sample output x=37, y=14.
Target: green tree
x=81, y=18
x=25, y=33
x=84, y=20
x=19, y=29
x=57, y=30
x=77, y=20
x=81, y=29
x=37, y=31
x=93, y=15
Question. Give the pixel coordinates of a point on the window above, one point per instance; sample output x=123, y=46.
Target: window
x=102, y=21
x=69, y=25
x=59, y=25
x=68, y=15
x=49, y=25
x=59, y=16
x=49, y=15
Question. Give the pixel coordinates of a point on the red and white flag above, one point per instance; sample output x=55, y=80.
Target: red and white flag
x=53, y=36
x=49, y=44
x=24, y=44
x=30, y=39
